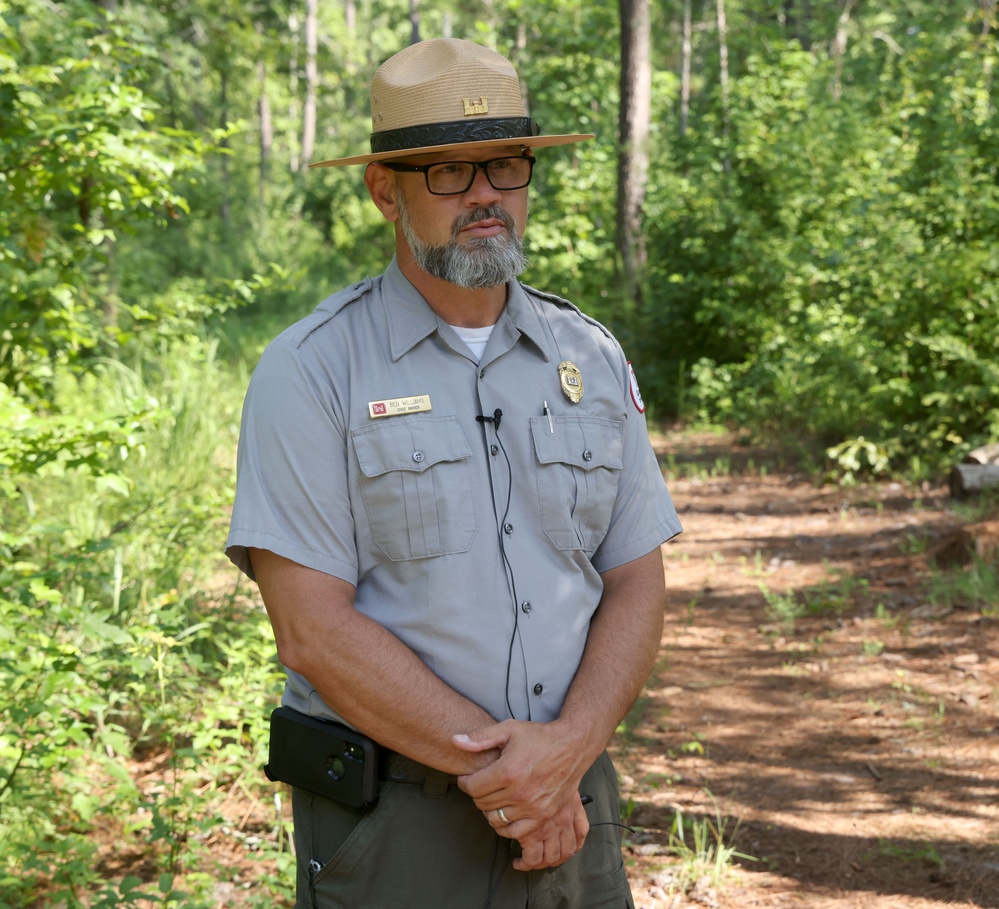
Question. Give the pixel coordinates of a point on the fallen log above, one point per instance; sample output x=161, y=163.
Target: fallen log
x=968, y=479
x=987, y=454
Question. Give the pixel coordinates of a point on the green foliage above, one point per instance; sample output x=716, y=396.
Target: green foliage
x=822, y=267
x=975, y=586
x=81, y=162
x=117, y=646
x=826, y=598
x=703, y=849
x=831, y=273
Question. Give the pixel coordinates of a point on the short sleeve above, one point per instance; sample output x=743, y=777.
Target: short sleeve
x=292, y=495
x=644, y=516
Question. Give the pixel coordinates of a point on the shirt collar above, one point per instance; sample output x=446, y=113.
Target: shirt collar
x=410, y=318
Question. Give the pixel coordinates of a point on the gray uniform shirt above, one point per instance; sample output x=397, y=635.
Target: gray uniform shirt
x=479, y=546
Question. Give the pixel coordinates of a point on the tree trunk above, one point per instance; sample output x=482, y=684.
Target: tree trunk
x=414, y=22
x=311, y=80
x=633, y=133
x=224, y=158
x=685, y=70
x=266, y=129
x=293, y=156
x=796, y=15
x=264, y=114
x=838, y=48
x=723, y=75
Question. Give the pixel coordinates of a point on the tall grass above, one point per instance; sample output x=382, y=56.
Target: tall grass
x=135, y=678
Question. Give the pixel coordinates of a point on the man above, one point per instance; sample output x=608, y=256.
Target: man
x=448, y=499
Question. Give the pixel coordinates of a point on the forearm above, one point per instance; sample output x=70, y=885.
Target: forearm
x=392, y=696
x=362, y=670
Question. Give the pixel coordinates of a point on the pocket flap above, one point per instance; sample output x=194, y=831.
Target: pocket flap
x=409, y=444
x=584, y=442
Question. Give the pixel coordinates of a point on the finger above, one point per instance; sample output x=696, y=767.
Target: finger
x=549, y=846
x=483, y=740
x=531, y=857
x=547, y=854
x=513, y=829
x=581, y=825
x=490, y=786
x=568, y=844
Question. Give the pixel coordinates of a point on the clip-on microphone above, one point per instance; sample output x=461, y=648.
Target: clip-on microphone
x=495, y=418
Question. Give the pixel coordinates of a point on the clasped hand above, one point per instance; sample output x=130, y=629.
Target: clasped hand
x=531, y=792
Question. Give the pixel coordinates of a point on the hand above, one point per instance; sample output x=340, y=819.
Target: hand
x=535, y=781
x=556, y=841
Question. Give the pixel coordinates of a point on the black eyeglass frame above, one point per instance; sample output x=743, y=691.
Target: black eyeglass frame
x=476, y=166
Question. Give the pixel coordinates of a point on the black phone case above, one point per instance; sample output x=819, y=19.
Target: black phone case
x=324, y=758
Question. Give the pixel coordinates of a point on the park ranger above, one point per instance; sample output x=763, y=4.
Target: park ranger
x=447, y=496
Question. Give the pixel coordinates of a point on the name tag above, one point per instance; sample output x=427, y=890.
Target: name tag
x=393, y=407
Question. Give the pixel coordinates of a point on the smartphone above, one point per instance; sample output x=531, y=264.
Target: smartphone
x=325, y=758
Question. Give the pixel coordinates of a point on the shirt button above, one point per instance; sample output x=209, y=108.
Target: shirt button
x=494, y=450
x=526, y=606
x=539, y=688
x=418, y=456
x=587, y=455
x=508, y=527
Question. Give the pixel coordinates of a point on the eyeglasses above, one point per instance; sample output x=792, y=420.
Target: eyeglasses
x=450, y=178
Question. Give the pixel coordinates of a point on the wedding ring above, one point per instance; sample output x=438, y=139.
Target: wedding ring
x=502, y=816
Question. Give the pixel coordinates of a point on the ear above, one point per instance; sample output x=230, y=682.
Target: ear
x=383, y=190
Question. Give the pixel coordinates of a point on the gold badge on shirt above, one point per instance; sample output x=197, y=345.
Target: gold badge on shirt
x=393, y=407
x=572, y=381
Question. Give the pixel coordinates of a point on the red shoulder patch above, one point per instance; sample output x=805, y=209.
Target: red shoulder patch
x=636, y=395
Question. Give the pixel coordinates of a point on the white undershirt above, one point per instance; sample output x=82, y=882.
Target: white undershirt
x=475, y=338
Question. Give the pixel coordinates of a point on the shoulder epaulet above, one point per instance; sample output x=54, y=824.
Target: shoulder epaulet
x=334, y=303
x=566, y=304
x=552, y=298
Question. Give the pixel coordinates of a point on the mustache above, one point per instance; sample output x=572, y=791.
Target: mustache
x=486, y=213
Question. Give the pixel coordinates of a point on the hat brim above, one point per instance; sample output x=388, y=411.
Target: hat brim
x=521, y=141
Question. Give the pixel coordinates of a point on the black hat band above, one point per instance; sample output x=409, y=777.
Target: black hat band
x=453, y=133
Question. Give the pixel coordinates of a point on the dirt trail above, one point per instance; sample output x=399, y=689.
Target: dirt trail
x=820, y=690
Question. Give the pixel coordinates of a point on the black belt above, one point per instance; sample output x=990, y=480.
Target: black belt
x=400, y=769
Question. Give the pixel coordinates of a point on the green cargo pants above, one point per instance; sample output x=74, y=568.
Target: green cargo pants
x=426, y=846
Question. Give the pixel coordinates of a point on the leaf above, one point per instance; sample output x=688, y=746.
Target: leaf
x=94, y=626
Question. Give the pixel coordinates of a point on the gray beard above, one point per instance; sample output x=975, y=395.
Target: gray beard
x=478, y=263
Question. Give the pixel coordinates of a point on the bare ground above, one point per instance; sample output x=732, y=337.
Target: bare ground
x=825, y=702
x=851, y=751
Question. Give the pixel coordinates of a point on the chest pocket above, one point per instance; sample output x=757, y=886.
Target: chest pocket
x=416, y=486
x=578, y=467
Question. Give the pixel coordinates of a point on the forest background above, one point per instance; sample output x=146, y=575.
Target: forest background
x=789, y=216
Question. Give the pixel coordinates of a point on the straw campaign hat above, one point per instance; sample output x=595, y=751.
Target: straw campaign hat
x=447, y=94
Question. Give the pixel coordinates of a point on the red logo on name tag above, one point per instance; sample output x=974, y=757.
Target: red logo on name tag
x=378, y=408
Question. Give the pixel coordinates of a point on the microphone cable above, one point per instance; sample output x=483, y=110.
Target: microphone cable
x=508, y=568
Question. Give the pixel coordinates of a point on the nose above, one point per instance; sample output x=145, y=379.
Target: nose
x=481, y=189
